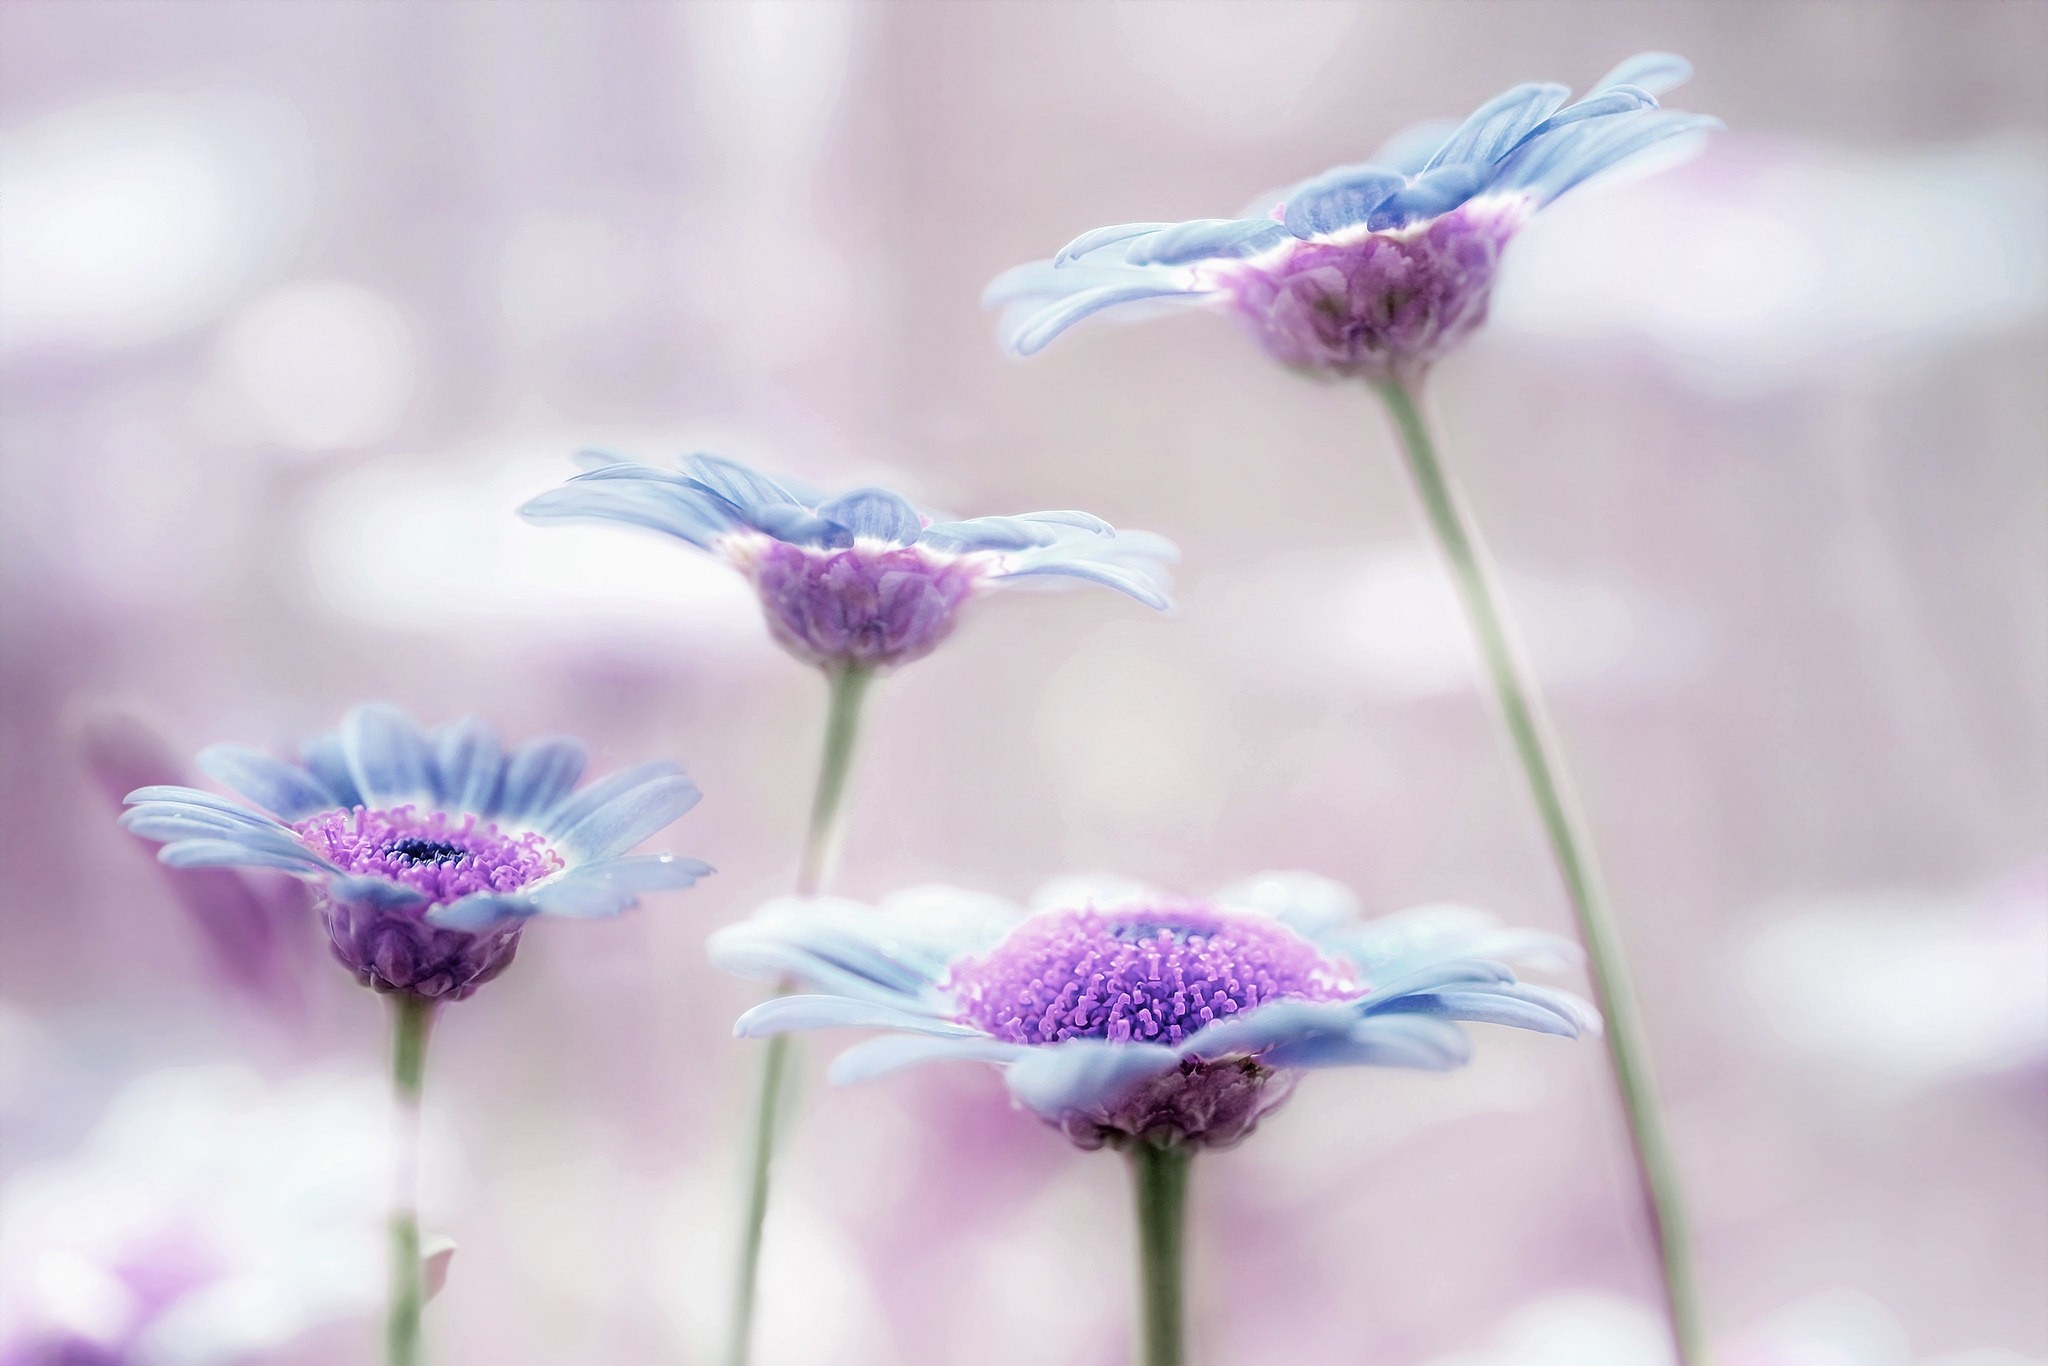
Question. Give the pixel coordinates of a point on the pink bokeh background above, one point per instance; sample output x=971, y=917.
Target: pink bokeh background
x=299, y=300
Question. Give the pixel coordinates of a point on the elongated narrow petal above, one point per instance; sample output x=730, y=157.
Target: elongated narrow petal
x=388, y=755
x=876, y=514
x=1655, y=72
x=1095, y=239
x=1499, y=124
x=1085, y=1074
x=1033, y=334
x=469, y=766
x=894, y=1052
x=628, y=818
x=1340, y=199
x=1431, y=1045
x=612, y=885
x=538, y=776
x=798, y=1014
x=272, y=784
x=1206, y=239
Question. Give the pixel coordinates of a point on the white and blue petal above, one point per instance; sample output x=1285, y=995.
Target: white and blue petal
x=482, y=911
x=1409, y=150
x=241, y=853
x=566, y=809
x=286, y=789
x=1506, y=1003
x=635, y=496
x=1306, y=903
x=1095, y=239
x=1268, y=1026
x=1142, y=582
x=1340, y=199
x=1434, y=192
x=327, y=760
x=893, y=1052
x=538, y=777
x=1038, y=329
x=364, y=890
x=1549, y=165
x=801, y=1014
x=1084, y=1074
x=469, y=765
x=624, y=819
x=388, y=756
x=874, y=514
x=1499, y=124
x=1206, y=239
x=1655, y=72
x=835, y=946
x=1416, y=1041
x=746, y=490
x=609, y=886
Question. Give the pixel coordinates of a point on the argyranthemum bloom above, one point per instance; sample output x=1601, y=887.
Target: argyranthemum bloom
x=864, y=580
x=429, y=851
x=1139, y=1017
x=1370, y=271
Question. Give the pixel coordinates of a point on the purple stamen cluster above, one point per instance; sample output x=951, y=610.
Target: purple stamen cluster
x=443, y=857
x=1380, y=306
x=1140, y=974
x=864, y=606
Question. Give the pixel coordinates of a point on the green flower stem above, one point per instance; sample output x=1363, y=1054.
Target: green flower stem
x=821, y=848
x=412, y=1019
x=1159, y=1181
x=1542, y=764
x=842, y=730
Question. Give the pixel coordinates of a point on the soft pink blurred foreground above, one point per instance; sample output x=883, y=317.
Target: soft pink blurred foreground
x=298, y=301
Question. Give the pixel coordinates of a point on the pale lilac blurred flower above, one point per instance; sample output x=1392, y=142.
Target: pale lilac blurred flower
x=429, y=852
x=863, y=580
x=1142, y=1017
x=1371, y=271
x=242, y=918
x=211, y=1218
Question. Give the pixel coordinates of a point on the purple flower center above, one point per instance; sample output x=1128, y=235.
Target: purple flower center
x=869, y=606
x=1144, y=974
x=443, y=857
x=1380, y=305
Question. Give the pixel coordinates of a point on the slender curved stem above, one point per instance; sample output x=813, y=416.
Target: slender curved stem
x=412, y=1019
x=842, y=731
x=1159, y=1181
x=821, y=848
x=1542, y=764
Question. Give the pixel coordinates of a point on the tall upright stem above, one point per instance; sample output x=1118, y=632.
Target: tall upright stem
x=821, y=849
x=1542, y=764
x=842, y=730
x=1159, y=1183
x=412, y=1019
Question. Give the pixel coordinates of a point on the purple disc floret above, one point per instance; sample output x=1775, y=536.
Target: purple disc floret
x=1136, y=974
x=1375, y=306
x=867, y=606
x=1149, y=974
x=394, y=949
x=442, y=857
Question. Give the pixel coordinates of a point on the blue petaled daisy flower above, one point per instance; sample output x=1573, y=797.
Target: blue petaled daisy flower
x=429, y=850
x=1129, y=1015
x=1370, y=271
x=863, y=580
